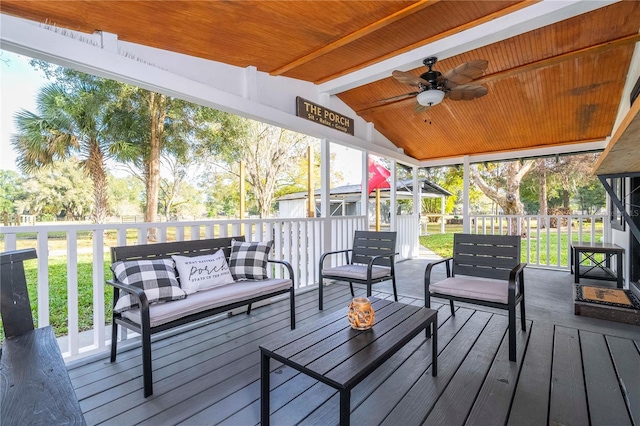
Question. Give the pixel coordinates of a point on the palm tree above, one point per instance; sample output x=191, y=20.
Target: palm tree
x=68, y=122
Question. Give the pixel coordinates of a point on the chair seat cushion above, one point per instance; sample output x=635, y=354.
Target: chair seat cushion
x=357, y=272
x=163, y=313
x=473, y=288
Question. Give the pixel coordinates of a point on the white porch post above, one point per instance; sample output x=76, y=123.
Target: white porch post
x=392, y=198
x=442, y=206
x=325, y=191
x=364, y=197
x=466, y=213
x=417, y=209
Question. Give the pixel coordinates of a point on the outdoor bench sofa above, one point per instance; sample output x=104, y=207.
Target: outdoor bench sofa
x=147, y=319
x=484, y=270
x=35, y=387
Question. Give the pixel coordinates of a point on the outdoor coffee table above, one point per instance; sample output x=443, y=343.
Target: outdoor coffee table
x=335, y=354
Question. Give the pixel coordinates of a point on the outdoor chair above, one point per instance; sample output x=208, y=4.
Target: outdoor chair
x=370, y=261
x=484, y=270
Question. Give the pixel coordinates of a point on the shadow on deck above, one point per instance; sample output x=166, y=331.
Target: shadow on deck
x=569, y=370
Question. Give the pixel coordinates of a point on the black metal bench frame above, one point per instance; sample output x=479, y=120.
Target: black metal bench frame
x=35, y=387
x=164, y=251
x=486, y=256
x=369, y=248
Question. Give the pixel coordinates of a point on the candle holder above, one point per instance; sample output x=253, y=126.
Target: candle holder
x=361, y=314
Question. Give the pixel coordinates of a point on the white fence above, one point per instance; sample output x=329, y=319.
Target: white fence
x=546, y=239
x=299, y=241
x=407, y=227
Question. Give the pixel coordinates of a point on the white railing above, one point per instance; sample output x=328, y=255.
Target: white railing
x=299, y=241
x=408, y=228
x=546, y=239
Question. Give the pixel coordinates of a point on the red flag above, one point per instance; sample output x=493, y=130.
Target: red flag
x=378, y=175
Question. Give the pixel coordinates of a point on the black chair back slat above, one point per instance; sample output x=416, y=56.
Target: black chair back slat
x=166, y=250
x=487, y=256
x=368, y=243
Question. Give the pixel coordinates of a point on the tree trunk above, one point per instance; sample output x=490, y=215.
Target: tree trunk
x=157, y=107
x=97, y=173
x=542, y=197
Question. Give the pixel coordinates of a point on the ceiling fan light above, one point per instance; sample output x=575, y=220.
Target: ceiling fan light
x=430, y=97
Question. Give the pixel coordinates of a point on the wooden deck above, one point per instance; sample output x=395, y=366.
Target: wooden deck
x=210, y=375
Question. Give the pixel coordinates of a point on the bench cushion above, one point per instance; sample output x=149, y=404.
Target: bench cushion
x=163, y=313
x=357, y=272
x=473, y=288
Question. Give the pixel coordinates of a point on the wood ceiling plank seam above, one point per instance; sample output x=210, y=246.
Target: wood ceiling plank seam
x=602, y=47
x=488, y=18
x=368, y=29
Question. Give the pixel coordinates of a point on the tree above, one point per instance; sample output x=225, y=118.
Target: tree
x=62, y=189
x=69, y=122
x=126, y=196
x=503, y=187
x=11, y=191
x=266, y=151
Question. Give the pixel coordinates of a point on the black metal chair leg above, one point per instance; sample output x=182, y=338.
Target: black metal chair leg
x=523, y=317
x=249, y=309
x=512, y=333
x=351, y=287
x=147, y=373
x=453, y=311
x=395, y=292
x=114, y=340
x=320, y=292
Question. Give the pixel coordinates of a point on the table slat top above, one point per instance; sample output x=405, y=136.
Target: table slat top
x=342, y=355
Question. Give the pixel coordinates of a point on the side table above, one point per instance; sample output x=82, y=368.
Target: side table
x=600, y=269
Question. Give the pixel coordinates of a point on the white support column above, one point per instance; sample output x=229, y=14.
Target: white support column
x=392, y=197
x=442, y=206
x=364, y=198
x=417, y=209
x=466, y=212
x=325, y=191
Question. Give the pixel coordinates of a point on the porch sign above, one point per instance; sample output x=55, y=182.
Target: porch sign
x=319, y=114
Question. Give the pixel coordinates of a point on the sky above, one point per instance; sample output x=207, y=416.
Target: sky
x=19, y=85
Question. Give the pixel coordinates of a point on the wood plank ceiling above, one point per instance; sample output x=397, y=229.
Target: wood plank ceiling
x=560, y=84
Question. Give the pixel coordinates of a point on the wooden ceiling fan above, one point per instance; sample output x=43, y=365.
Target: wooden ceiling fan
x=434, y=86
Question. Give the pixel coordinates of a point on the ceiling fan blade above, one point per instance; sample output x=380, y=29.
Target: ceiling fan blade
x=466, y=92
x=399, y=97
x=420, y=108
x=410, y=79
x=464, y=73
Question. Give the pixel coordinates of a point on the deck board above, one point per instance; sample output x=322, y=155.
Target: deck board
x=606, y=404
x=210, y=374
x=568, y=400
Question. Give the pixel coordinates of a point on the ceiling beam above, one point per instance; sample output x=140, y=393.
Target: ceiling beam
x=439, y=36
x=356, y=35
x=535, y=16
x=572, y=147
x=532, y=66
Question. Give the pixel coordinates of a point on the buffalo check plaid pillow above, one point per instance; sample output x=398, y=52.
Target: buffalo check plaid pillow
x=156, y=277
x=248, y=261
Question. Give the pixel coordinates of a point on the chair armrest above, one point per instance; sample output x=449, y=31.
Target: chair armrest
x=334, y=252
x=138, y=293
x=516, y=275
x=286, y=265
x=427, y=271
x=376, y=257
